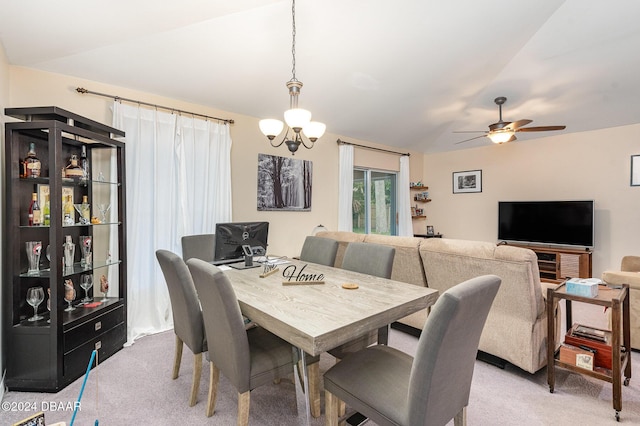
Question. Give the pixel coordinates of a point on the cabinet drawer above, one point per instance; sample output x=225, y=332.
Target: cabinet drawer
x=92, y=328
x=75, y=362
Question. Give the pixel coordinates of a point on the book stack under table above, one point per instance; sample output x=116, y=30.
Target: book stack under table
x=601, y=354
x=587, y=347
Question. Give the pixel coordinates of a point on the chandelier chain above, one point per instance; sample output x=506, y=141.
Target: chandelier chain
x=293, y=43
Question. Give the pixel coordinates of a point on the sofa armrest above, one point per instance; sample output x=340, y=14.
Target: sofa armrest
x=622, y=277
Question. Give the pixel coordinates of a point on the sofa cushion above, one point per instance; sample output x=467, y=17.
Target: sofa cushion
x=516, y=327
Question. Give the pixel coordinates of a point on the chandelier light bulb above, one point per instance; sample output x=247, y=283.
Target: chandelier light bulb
x=314, y=130
x=297, y=118
x=271, y=127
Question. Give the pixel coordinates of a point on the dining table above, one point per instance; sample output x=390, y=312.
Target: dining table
x=317, y=308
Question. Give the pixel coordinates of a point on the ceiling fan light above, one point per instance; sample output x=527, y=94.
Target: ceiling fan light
x=314, y=130
x=271, y=127
x=297, y=118
x=501, y=137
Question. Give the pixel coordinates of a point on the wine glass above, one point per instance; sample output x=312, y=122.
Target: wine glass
x=86, y=282
x=35, y=296
x=69, y=294
x=104, y=287
x=104, y=209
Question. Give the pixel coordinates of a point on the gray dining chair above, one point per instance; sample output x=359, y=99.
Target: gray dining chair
x=200, y=246
x=392, y=388
x=248, y=358
x=188, y=324
x=319, y=250
x=371, y=259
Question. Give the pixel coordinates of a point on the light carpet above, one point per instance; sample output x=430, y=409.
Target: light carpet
x=135, y=387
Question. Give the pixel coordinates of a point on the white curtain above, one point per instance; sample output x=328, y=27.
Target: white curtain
x=405, y=226
x=345, y=191
x=178, y=175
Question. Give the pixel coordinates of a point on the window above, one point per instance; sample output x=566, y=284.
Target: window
x=374, y=202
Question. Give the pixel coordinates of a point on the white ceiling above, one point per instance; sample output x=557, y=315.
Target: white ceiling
x=404, y=73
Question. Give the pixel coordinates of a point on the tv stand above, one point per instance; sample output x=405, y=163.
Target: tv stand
x=556, y=263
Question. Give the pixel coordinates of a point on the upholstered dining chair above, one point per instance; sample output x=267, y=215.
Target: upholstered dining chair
x=188, y=324
x=248, y=358
x=392, y=388
x=200, y=246
x=371, y=259
x=319, y=250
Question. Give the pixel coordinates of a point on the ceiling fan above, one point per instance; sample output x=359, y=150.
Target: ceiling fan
x=504, y=131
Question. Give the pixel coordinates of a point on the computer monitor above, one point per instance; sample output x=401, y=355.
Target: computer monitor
x=230, y=237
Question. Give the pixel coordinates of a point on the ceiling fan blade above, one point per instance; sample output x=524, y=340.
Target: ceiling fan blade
x=541, y=128
x=517, y=124
x=467, y=140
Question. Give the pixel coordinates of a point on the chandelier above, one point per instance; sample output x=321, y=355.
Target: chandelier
x=298, y=120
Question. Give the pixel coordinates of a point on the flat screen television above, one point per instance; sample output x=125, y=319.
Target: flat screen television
x=568, y=223
x=230, y=237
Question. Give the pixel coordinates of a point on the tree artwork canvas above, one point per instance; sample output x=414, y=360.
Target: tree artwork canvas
x=284, y=183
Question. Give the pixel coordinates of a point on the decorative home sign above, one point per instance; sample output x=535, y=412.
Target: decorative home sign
x=635, y=170
x=284, y=183
x=468, y=181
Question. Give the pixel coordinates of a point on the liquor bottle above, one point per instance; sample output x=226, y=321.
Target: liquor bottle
x=73, y=170
x=46, y=212
x=35, y=214
x=68, y=216
x=85, y=211
x=84, y=163
x=31, y=164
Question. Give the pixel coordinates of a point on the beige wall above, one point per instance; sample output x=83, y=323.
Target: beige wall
x=592, y=165
x=287, y=229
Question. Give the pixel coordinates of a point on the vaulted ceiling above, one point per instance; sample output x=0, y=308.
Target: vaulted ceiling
x=402, y=73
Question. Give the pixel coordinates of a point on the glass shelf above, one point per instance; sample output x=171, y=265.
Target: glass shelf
x=77, y=225
x=69, y=181
x=77, y=268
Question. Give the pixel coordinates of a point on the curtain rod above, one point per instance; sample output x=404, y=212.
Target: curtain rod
x=341, y=142
x=82, y=90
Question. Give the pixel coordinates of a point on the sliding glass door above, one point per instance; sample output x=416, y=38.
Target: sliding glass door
x=374, y=202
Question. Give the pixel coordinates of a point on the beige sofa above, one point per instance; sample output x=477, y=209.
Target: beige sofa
x=516, y=329
x=629, y=273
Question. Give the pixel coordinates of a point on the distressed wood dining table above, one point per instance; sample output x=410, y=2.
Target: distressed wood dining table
x=315, y=317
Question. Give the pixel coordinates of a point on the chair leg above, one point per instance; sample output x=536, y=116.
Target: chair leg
x=331, y=403
x=314, y=388
x=214, y=376
x=177, y=358
x=243, y=408
x=197, y=372
x=461, y=418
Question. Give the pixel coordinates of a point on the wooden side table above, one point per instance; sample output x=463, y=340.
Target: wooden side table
x=616, y=299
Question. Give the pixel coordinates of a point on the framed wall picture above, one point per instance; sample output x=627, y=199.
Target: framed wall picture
x=284, y=183
x=635, y=170
x=467, y=181
x=430, y=230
